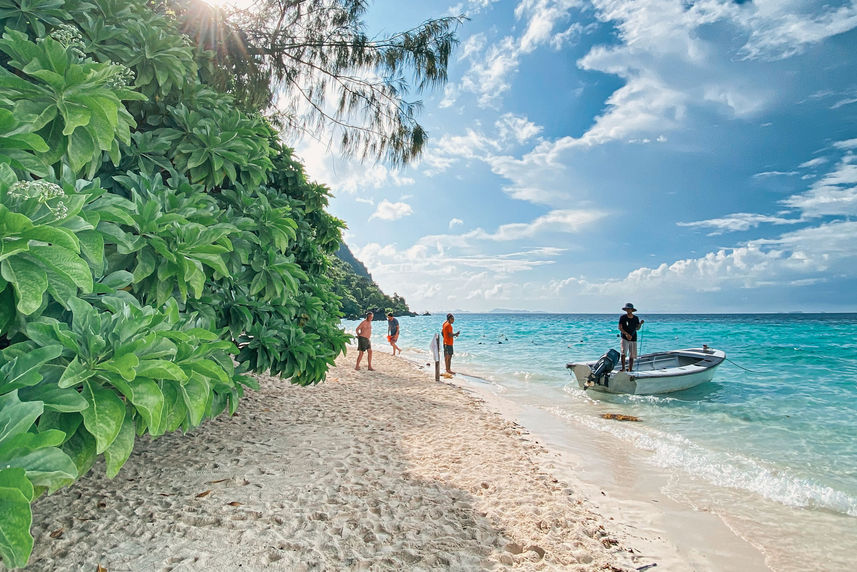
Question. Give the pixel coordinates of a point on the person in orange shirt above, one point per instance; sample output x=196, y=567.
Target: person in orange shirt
x=448, y=337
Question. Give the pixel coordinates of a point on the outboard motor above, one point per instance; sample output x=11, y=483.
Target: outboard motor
x=604, y=366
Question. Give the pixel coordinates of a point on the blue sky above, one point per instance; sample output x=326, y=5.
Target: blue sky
x=684, y=156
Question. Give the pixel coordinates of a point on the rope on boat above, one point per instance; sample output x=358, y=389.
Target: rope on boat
x=741, y=366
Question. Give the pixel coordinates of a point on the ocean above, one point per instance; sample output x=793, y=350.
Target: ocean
x=769, y=446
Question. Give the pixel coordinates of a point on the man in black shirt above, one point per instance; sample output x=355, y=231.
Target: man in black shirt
x=628, y=326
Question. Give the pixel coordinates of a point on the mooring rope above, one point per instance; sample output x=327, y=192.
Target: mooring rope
x=741, y=366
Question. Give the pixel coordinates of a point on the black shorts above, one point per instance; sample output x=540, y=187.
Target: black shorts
x=363, y=344
x=447, y=350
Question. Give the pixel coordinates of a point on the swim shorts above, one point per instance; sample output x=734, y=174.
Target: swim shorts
x=363, y=344
x=447, y=350
x=629, y=347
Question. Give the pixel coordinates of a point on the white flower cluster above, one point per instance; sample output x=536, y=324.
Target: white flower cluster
x=42, y=191
x=70, y=37
x=122, y=78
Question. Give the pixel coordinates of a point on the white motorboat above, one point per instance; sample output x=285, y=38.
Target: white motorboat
x=662, y=372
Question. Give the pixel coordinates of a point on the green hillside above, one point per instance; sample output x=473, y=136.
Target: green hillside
x=359, y=293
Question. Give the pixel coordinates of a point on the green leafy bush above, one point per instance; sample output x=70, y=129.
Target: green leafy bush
x=152, y=236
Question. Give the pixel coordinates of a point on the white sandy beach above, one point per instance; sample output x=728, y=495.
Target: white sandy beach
x=369, y=470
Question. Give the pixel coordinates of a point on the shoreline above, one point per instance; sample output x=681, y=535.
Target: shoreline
x=383, y=469
x=624, y=488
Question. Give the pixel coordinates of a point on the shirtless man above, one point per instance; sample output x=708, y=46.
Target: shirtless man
x=364, y=333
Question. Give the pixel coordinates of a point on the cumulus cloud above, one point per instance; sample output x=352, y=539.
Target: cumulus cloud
x=516, y=128
x=391, y=211
x=434, y=275
x=804, y=256
x=455, y=222
x=670, y=67
x=493, y=64
x=344, y=174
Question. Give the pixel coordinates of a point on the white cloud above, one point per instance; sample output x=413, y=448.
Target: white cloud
x=470, y=7
x=346, y=175
x=490, y=77
x=817, y=162
x=472, y=46
x=455, y=222
x=847, y=144
x=738, y=222
x=542, y=16
x=670, y=68
x=556, y=221
x=563, y=221
x=832, y=195
x=435, y=276
x=391, y=211
x=766, y=174
x=782, y=28
x=513, y=127
x=808, y=255
x=491, y=71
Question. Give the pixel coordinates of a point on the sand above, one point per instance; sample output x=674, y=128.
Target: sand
x=367, y=471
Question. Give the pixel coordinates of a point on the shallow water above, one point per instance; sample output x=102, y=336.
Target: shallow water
x=770, y=444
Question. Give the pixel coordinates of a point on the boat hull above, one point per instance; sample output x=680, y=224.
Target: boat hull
x=663, y=372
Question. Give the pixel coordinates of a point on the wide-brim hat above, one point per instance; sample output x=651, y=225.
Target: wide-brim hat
x=629, y=306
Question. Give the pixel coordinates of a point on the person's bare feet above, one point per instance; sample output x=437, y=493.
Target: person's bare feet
x=356, y=369
x=371, y=368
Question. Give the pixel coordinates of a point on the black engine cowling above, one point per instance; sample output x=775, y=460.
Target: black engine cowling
x=603, y=366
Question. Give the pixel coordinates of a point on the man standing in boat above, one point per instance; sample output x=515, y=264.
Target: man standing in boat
x=628, y=326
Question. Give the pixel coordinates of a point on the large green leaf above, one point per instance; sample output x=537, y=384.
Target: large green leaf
x=104, y=416
x=146, y=396
x=196, y=392
x=175, y=410
x=29, y=280
x=23, y=370
x=160, y=369
x=119, y=451
x=81, y=450
x=16, y=416
x=54, y=398
x=16, y=493
x=47, y=467
x=65, y=262
x=75, y=373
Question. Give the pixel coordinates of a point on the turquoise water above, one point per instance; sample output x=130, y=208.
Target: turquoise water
x=772, y=437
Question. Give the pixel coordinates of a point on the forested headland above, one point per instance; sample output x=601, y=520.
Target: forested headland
x=358, y=291
x=158, y=241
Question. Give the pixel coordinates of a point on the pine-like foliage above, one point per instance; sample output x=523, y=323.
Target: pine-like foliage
x=312, y=63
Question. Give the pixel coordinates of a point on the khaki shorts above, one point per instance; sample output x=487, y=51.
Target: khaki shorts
x=629, y=347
